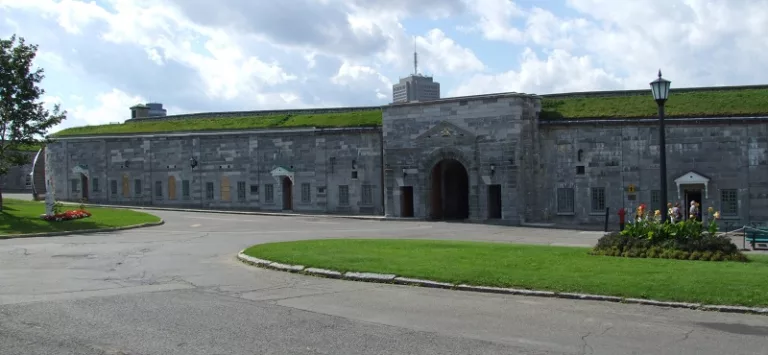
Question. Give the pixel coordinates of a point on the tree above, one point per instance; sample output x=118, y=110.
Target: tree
x=24, y=120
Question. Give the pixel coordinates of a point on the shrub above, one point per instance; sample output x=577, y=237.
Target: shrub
x=648, y=237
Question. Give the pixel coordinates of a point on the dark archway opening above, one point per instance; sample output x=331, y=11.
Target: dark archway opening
x=450, y=191
x=84, y=186
x=287, y=194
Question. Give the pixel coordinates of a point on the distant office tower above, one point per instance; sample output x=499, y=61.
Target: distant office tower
x=415, y=87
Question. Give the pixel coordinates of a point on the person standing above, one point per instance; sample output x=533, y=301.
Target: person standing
x=694, y=210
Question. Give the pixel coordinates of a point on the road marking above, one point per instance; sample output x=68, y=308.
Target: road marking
x=196, y=225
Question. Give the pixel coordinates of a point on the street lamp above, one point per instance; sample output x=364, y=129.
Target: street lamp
x=660, y=91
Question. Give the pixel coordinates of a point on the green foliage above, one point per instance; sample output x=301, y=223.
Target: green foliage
x=336, y=119
x=58, y=207
x=714, y=103
x=24, y=120
x=691, y=239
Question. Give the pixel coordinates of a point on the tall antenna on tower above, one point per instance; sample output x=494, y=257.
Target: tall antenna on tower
x=415, y=59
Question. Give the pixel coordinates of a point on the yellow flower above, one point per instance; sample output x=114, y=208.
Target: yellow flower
x=657, y=213
x=717, y=215
x=710, y=210
x=692, y=216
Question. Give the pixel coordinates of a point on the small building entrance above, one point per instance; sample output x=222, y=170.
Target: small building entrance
x=449, y=195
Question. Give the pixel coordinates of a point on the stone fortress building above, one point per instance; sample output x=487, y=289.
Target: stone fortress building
x=508, y=158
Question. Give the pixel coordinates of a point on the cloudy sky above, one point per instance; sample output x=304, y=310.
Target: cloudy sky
x=103, y=56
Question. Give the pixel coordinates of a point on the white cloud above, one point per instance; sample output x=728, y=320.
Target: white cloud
x=194, y=55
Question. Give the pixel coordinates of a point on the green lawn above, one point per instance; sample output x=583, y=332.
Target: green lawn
x=22, y=217
x=341, y=119
x=563, y=269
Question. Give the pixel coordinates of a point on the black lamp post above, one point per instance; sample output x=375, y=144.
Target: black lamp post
x=660, y=90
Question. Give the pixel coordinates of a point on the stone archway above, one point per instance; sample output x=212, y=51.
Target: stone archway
x=449, y=190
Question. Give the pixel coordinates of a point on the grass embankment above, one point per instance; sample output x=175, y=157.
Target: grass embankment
x=727, y=102
x=23, y=217
x=563, y=269
x=720, y=103
x=342, y=119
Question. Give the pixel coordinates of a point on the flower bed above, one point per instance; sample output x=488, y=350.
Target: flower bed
x=66, y=216
x=648, y=237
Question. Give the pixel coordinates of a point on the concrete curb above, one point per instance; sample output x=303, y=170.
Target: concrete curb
x=82, y=231
x=391, y=278
x=251, y=213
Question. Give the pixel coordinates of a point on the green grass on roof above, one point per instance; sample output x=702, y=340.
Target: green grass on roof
x=341, y=119
x=731, y=102
x=722, y=103
x=28, y=147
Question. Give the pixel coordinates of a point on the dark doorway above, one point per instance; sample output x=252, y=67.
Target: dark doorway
x=692, y=195
x=287, y=194
x=406, y=201
x=84, y=186
x=450, y=191
x=494, y=201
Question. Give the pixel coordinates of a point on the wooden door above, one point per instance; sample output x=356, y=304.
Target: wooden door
x=171, y=187
x=126, y=187
x=494, y=201
x=406, y=201
x=287, y=194
x=225, y=195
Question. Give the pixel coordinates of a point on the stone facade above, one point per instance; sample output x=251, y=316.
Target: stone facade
x=461, y=158
x=591, y=166
x=487, y=158
x=302, y=170
x=18, y=179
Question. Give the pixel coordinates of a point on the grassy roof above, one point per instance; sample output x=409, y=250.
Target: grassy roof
x=705, y=102
x=724, y=102
x=168, y=124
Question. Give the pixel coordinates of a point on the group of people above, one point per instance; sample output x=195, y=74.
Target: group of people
x=677, y=215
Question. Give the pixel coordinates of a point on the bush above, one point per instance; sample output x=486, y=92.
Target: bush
x=648, y=237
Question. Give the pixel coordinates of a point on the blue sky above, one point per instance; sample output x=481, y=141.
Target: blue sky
x=103, y=56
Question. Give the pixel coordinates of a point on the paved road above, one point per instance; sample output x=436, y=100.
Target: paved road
x=177, y=289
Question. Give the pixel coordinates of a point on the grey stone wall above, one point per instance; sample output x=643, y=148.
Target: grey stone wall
x=731, y=153
x=17, y=179
x=480, y=132
x=331, y=170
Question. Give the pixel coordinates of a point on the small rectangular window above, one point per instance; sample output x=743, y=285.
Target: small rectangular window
x=343, y=195
x=158, y=189
x=113, y=187
x=95, y=185
x=656, y=200
x=565, y=203
x=255, y=190
x=209, y=190
x=137, y=187
x=269, y=193
x=75, y=185
x=598, y=199
x=241, y=190
x=306, y=193
x=729, y=202
x=367, y=198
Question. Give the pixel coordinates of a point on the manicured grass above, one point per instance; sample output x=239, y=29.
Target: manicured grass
x=562, y=269
x=731, y=102
x=23, y=217
x=342, y=119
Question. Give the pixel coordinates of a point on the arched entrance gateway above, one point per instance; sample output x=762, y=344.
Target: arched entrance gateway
x=449, y=193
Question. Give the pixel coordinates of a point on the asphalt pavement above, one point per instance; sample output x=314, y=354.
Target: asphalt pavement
x=178, y=289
